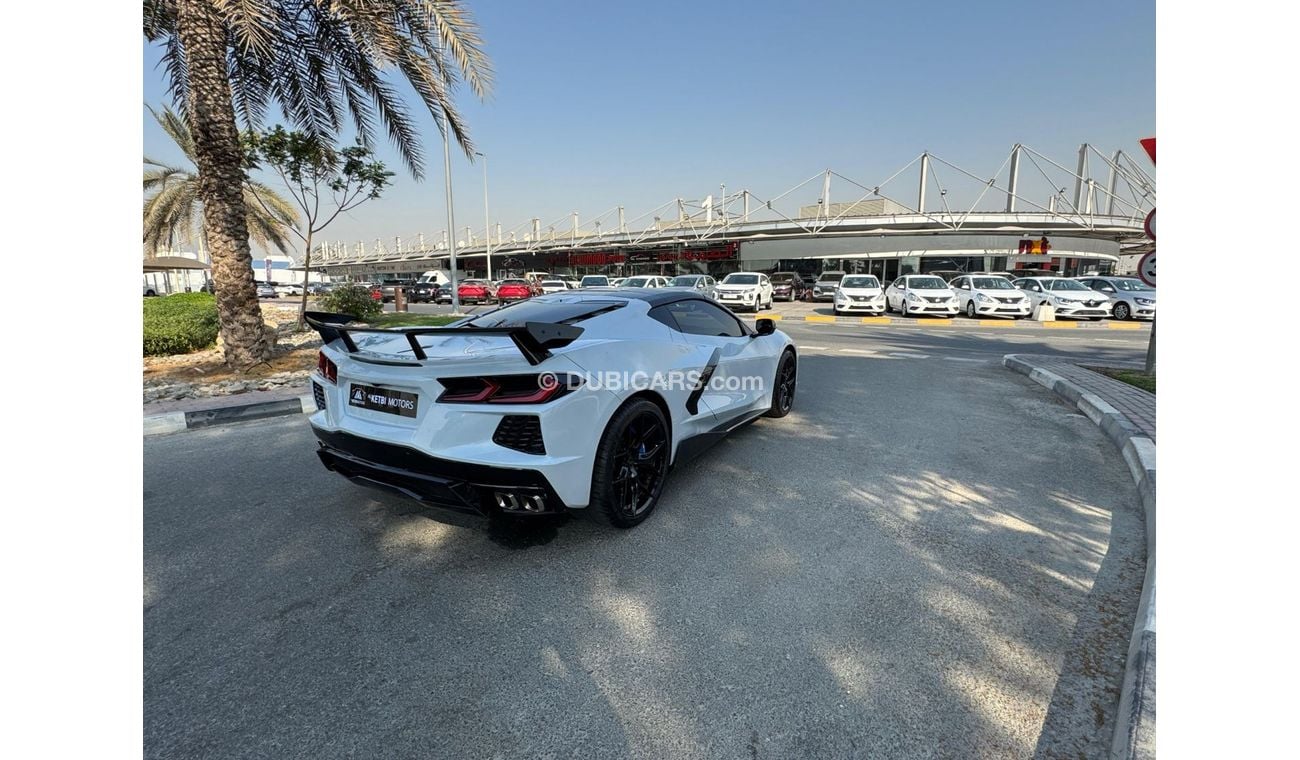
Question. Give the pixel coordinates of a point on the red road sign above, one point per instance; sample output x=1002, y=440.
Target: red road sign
x=1149, y=145
x=1150, y=224
x=1147, y=269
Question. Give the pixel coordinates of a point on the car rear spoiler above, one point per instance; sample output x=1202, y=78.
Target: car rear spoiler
x=533, y=339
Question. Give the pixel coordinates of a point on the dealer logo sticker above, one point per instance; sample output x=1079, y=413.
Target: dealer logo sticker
x=358, y=397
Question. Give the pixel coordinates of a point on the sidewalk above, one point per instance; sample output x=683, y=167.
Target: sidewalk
x=1138, y=406
x=1127, y=415
x=163, y=417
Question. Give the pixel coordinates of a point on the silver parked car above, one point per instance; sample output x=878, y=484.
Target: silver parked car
x=1069, y=298
x=1130, y=298
x=697, y=283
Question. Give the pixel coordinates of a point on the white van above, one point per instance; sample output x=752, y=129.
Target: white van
x=436, y=276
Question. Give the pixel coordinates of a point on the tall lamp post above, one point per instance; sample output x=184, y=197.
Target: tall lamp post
x=451, y=220
x=487, y=220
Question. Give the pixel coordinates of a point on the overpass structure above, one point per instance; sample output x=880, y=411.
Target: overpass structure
x=1009, y=214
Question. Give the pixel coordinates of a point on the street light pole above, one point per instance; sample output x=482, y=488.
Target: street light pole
x=451, y=221
x=487, y=220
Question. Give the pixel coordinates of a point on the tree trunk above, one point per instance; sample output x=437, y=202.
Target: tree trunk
x=306, y=277
x=221, y=177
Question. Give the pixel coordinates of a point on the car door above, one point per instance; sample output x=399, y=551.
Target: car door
x=962, y=289
x=900, y=293
x=736, y=363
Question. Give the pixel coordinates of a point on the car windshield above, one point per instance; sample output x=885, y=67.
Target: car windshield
x=685, y=281
x=1065, y=285
x=1132, y=286
x=595, y=280
x=990, y=283
x=636, y=282
x=831, y=277
x=926, y=283
x=741, y=279
x=860, y=282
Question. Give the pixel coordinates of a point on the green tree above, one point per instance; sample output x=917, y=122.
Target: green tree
x=322, y=62
x=316, y=172
x=172, y=210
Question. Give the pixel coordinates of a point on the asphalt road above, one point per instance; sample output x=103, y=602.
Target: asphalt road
x=927, y=558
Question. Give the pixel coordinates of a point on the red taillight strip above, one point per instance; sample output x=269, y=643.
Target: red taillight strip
x=478, y=396
x=538, y=396
x=327, y=368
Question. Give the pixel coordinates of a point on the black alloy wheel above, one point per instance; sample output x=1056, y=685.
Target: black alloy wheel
x=631, y=465
x=783, y=387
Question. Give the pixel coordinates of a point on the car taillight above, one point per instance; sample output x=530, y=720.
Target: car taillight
x=507, y=389
x=328, y=369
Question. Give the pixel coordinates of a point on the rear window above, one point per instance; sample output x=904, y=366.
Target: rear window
x=566, y=312
x=514, y=282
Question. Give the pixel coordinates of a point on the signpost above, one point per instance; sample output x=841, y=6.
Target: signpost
x=1147, y=266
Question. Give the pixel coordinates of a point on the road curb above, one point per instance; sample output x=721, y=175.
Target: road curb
x=1134, y=737
x=175, y=422
x=826, y=319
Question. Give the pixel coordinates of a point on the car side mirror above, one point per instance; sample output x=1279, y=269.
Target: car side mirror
x=765, y=326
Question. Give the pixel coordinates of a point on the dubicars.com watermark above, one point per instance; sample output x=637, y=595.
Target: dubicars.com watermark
x=672, y=380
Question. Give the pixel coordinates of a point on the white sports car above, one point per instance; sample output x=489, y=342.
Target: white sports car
x=577, y=400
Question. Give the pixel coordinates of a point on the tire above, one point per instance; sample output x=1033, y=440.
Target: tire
x=615, y=497
x=835, y=311
x=1122, y=311
x=970, y=309
x=783, y=394
x=902, y=308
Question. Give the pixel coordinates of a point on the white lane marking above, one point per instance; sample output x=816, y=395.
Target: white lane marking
x=911, y=356
x=814, y=348
x=960, y=359
x=858, y=351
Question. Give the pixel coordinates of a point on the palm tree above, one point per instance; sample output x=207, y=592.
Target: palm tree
x=172, y=210
x=323, y=62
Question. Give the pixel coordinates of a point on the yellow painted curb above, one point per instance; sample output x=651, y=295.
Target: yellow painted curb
x=1062, y=325
x=877, y=321
x=819, y=318
x=920, y=322
x=776, y=317
x=996, y=323
x=1124, y=326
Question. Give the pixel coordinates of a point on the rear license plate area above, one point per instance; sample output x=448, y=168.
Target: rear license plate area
x=387, y=400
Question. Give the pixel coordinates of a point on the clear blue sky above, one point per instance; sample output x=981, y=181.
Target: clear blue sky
x=598, y=104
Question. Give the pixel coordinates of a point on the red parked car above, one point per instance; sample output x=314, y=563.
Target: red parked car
x=517, y=290
x=476, y=291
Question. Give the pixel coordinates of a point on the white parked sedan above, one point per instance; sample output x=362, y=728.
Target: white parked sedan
x=745, y=290
x=920, y=294
x=859, y=292
x=1069, y=298
x=554, y=286
x=1130, y=298
x=989, y=296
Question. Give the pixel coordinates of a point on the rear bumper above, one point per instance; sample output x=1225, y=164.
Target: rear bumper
x=459, y=486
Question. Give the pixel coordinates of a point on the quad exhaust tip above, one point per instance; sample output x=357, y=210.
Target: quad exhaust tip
x=511, y=502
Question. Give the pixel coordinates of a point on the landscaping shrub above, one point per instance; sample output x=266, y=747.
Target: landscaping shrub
x=179, y=324
x=351, y=299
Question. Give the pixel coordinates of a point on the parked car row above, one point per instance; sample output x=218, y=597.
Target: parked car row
x=989, y=294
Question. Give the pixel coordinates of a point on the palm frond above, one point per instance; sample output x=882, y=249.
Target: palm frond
x=321, y=61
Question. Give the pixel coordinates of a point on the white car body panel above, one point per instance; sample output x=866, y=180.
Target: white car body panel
x=850, y=299
x=903, y=296
x=624, y=340
x=1074, y=304
x=1007, y=302
x=1141, y=303
x=745, y=296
